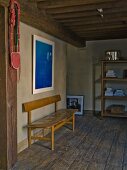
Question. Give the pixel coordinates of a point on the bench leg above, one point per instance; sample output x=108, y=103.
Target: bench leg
x=52, y=138
x=73, y=122
x=29, y=137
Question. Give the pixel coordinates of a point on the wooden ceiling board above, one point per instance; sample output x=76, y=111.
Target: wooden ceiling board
x=67, y=3
x=90, y=13
x=116, y=31
x=100, y=27
x=95, y=19
x=80, y=8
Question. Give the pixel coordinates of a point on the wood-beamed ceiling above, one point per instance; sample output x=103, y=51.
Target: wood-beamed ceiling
x=77, y=21
x=83, y=17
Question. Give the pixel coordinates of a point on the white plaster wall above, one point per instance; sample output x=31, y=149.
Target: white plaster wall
x=80, y=74
x=24, y=88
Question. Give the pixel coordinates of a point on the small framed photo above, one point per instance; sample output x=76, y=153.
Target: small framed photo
x=113, y=55
x=76, y=102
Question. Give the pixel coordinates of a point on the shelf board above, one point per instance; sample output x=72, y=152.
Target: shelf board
x=115, y=79
x=106, y=113
x=115, y=97
x=114, y=61
x=112, y=97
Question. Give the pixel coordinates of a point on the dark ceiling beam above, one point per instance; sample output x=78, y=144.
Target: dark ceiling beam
x=106, y=37
x=103, y=31
x=97, y=24
x=101, y=27
x=99, y=34
x=75, y=14
x=79, y=8
x=65, y=3
x=111, y=11
x=117, y=34
x=33, y=17
x=95, y=19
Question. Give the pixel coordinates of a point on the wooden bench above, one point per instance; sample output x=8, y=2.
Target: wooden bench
x=53, y=121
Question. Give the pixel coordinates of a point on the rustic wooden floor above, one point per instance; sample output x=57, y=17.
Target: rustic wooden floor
x=95, y=145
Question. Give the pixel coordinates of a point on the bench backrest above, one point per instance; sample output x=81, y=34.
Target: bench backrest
x=29, y=106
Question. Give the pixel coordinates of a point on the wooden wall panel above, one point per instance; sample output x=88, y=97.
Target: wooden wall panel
x=8, y=100
x=3, y=118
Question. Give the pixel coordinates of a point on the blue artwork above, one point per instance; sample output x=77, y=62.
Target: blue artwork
x=43, y=65
x=43, y=71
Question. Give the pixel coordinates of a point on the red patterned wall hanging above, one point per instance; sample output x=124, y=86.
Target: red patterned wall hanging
x=14, y=34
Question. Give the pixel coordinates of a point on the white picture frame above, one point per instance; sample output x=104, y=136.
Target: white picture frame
x=43, y=64
x=76, y=102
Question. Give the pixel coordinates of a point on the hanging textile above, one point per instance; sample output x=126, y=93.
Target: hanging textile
x=14, y=34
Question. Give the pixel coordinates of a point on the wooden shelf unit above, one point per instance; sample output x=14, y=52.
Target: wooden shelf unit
x=104, y=81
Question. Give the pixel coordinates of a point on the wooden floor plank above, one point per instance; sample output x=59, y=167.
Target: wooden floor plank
x=125, y=155
x=95, y=166
x=117, y=150
x=124, y=167
x=113, y=167
x=103, y=147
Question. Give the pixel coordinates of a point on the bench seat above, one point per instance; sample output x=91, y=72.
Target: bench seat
x=53, y=119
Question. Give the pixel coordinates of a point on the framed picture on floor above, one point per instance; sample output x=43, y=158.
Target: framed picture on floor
x=43, y=64
x=76, y=102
